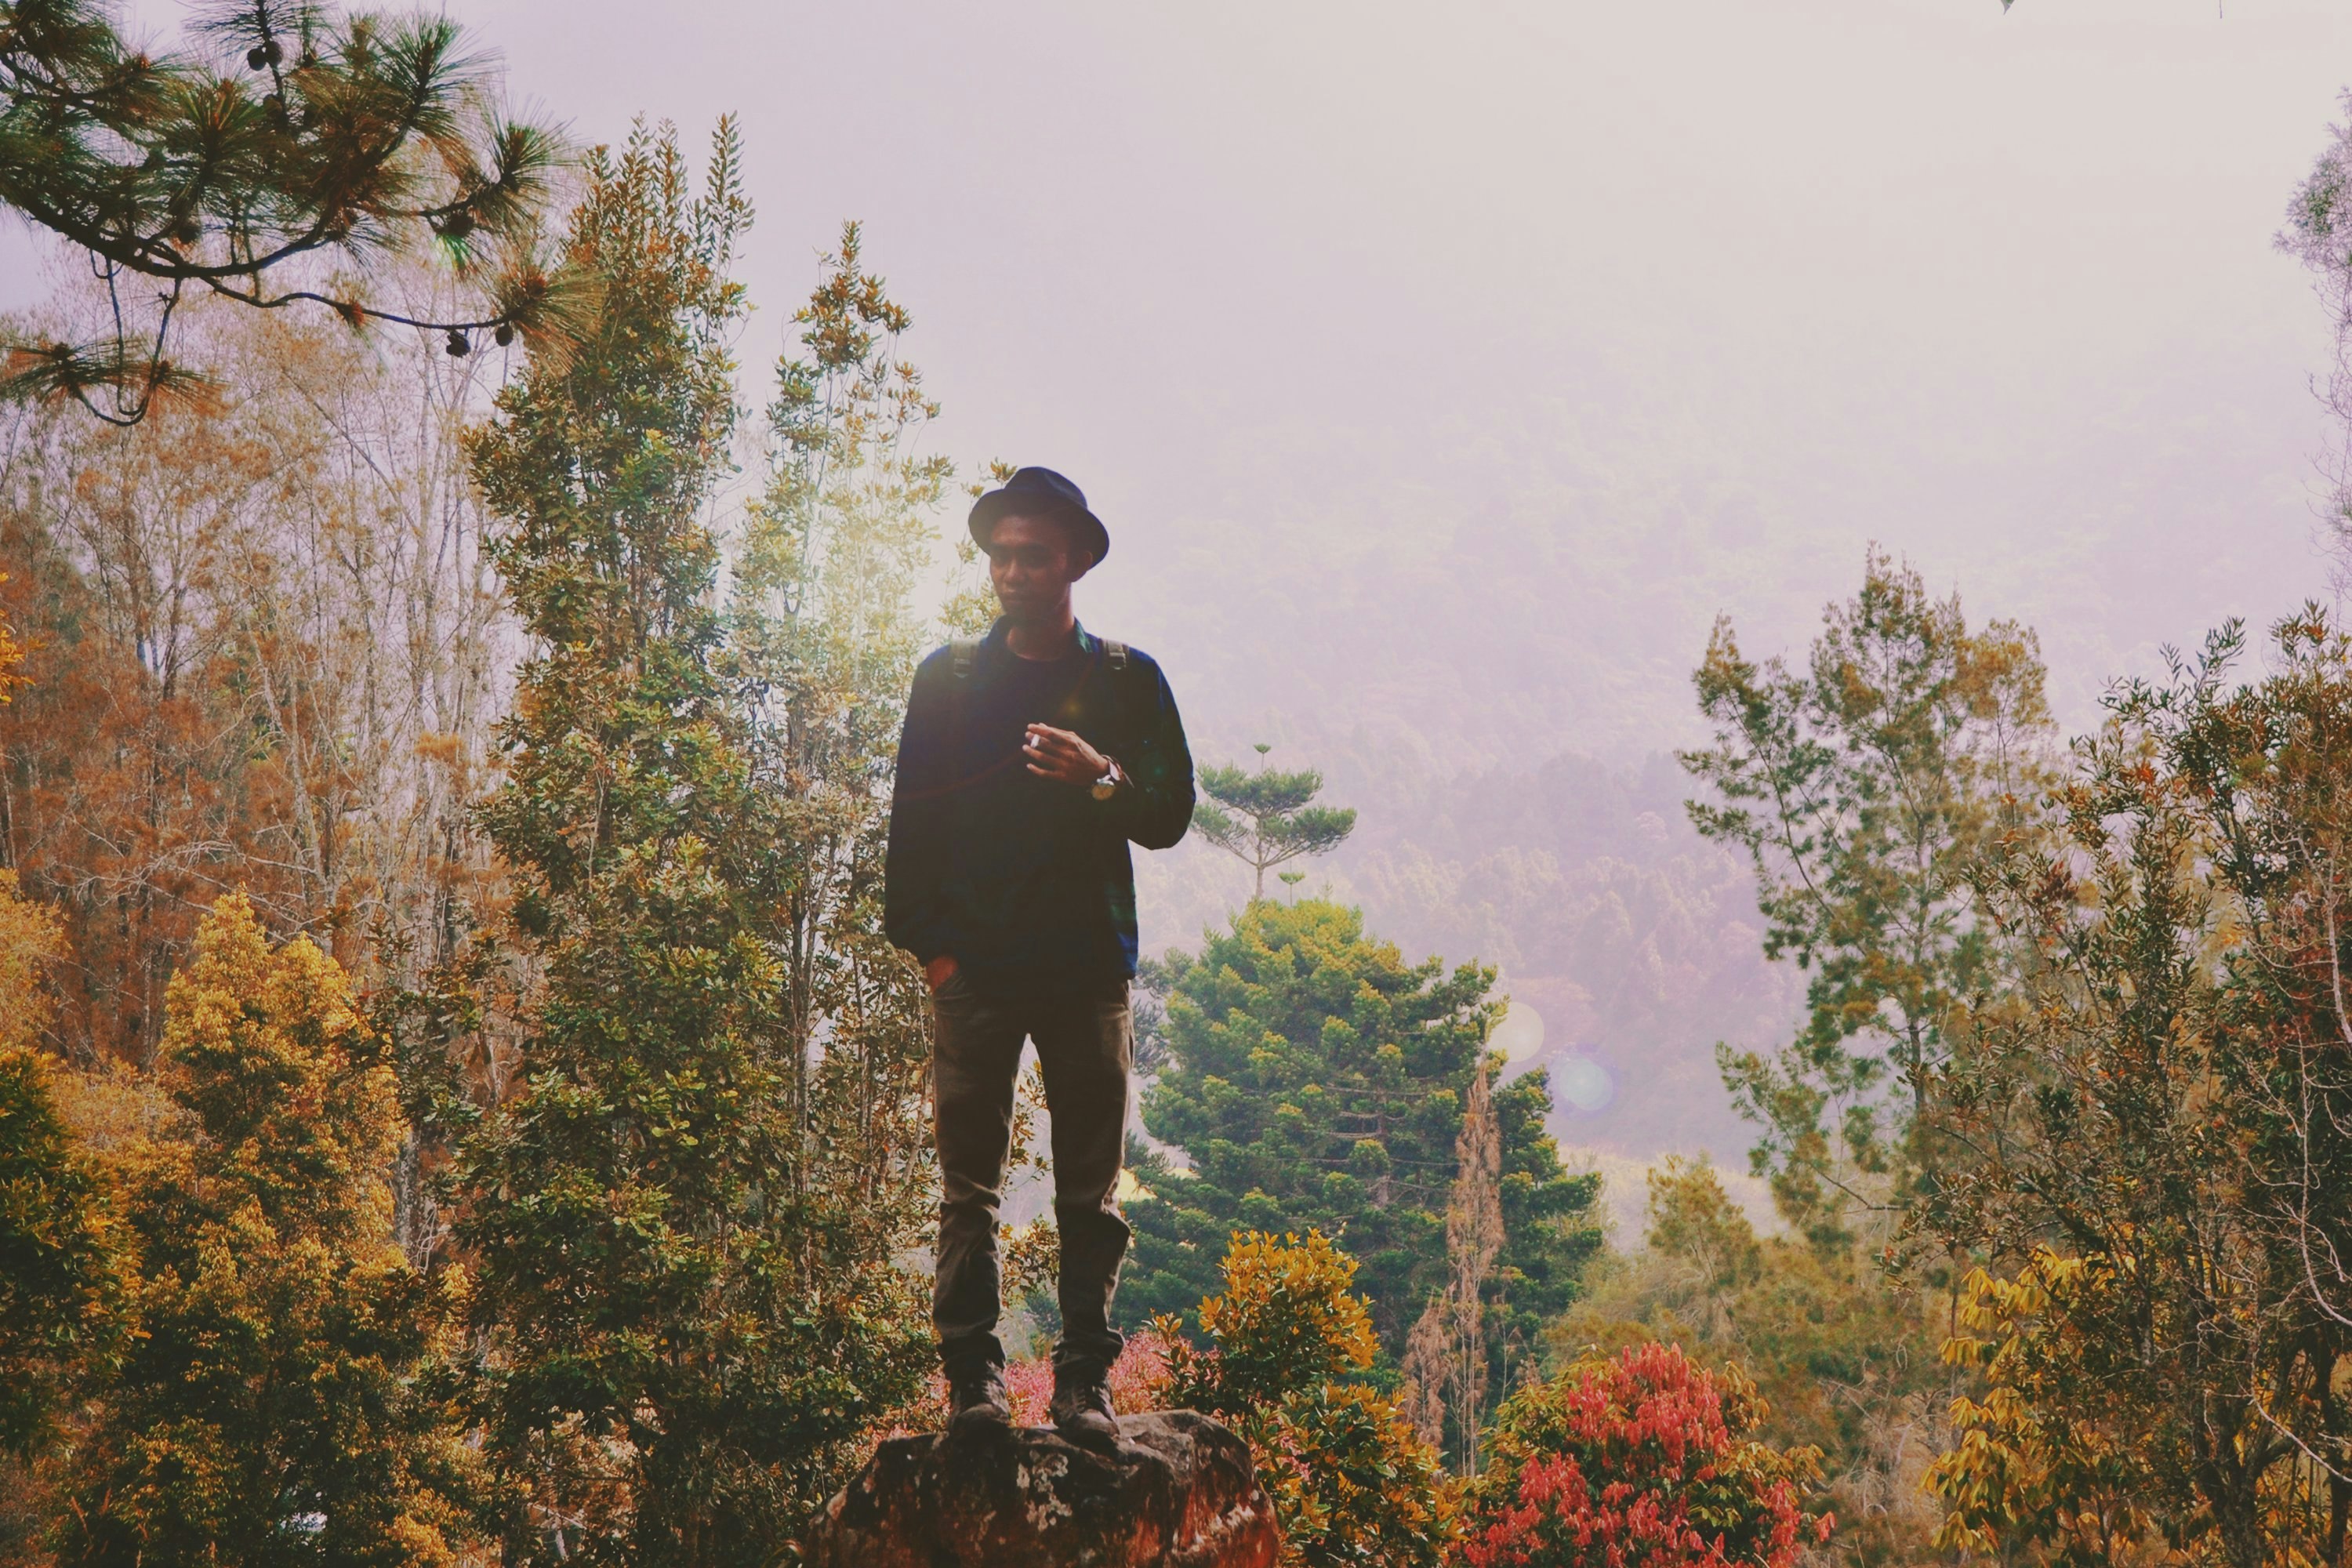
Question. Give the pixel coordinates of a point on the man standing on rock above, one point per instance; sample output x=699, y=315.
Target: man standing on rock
x=1030, y=759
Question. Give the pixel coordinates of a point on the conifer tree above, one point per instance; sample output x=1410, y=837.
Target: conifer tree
x=285, y=135
x=1316, y=1081
x=1267, y=818
x=686, y=1326
x=277, y=1403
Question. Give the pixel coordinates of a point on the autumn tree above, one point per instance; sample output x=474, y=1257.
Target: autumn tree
x=1267, y=818
x=687, y=1328
x=1865, y=788
x=2156, y=1170
x=1315, y=1080
x=128, y=799
x=12, y=653
x=2039, y=1461
x=265, y=647
x=2270, y=762
x=277, y=1401
x=1287, y=1341
x=61, y=1279
x=1445, y=1354
x=267, y=161
x=60, y=1284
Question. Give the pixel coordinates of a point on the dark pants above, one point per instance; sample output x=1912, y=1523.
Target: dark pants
x=1082, y=1049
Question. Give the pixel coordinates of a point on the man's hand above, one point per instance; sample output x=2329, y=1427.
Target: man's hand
x=1061, y=756
x=940, y=971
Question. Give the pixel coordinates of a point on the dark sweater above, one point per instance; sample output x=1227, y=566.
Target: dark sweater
x=1028, y=881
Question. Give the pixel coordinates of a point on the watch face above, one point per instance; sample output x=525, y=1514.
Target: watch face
x=1104, y=788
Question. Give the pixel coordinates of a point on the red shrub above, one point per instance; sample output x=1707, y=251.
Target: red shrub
x=1643, y=1460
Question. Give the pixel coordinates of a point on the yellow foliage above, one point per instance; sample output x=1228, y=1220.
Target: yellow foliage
x=1349, y=1479
x=1286, y=1318
x=114, y=1110
x=2028, y=1468
x=264, y=1048
x=31, y=939
x=280, y=1330
x=12, y=653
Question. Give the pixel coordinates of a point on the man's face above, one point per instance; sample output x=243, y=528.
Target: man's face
x=1031, y=562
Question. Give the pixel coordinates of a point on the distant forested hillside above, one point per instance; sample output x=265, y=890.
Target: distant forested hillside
x=1633, y=940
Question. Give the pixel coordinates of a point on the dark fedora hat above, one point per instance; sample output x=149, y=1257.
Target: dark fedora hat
x=1039, y=492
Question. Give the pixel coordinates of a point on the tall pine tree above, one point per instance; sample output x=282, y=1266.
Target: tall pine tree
x=284, y=134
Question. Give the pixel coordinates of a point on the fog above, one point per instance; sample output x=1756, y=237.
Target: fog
x=1441, y=373
x=1459, y=365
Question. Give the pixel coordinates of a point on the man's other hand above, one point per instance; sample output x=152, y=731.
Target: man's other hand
x=1061, y=756
x=940, y=971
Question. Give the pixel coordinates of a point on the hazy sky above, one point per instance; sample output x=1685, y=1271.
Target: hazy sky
x=1679, y=303
x=1519, y=340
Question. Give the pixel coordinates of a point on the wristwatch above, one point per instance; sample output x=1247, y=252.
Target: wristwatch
x=1107, y=786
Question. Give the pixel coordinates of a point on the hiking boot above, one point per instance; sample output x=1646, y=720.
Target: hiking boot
x=1082, y=1406
x=976, y=1397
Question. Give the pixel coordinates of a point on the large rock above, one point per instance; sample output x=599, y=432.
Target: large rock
x=1179, y=1492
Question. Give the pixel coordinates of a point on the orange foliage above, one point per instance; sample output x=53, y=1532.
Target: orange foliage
x=256, y=644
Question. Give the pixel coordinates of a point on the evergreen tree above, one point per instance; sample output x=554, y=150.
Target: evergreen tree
x=284, y=136
x=277, y=1403
x=686, y=1324
x=1265, y=818
x=1316, y=1081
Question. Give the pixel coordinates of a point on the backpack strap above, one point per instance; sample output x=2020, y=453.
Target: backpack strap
x=964, y=653
x=1115, y=655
